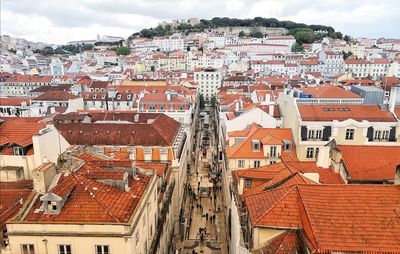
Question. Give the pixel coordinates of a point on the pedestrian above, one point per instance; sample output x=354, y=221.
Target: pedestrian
x=206, y=216
x=214, y=218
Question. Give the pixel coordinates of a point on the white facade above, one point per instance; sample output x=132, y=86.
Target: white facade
x=209, y=81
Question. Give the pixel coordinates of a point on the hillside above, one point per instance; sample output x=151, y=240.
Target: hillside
x=302, y=32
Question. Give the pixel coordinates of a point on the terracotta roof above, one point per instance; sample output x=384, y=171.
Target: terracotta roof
x=11, y=201
x=14, y=101
x=397, y=112
x=329, y=91
x=333, y=218
x=342, y=112
x=160, y=132
x=158, y=97
x=19, y=130
x=92, y=202
x=352, y=218
x=29, y=79
x=43, y=89
x=264, y=135
x=370, y=163
x=276, y=208
x=55, y=96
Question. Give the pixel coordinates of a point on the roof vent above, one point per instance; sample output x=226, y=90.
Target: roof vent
x=81, y=132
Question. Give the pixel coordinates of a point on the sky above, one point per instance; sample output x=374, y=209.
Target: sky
x=60, y=21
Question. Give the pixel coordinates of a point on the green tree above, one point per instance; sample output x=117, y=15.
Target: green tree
x=297, y=47
x=347, y=38
x=202, y=103
x=152, y=68
x=213, y=102
x=241, y=34
x=122, y=51
x=257, y=34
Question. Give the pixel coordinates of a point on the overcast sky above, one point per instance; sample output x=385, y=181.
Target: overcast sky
x=60, y=21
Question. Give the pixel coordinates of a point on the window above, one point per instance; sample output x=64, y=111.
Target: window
x=272, y=151
x=64, y=249
x=102, y=249
x=385, y=135
x=152, y=107
x=310, y=152
x=256, y=164
x=147, y=154
x=349, y=134
x=163, y=154
x=52, y=205
x=28, y=249
x=310, y=134
x=377, y=135
x=256, y=145
x=381, y=135
x=318, y=134
x=247, y=183
x=240, y=163
x=19, y=151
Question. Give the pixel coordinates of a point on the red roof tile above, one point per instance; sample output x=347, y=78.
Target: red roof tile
x=370, y=163
x=55, y=96
x=19, y=130
x=160, y=132
x=330, y=112
x=329, y=91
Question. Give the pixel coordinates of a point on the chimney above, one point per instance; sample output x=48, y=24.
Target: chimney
x=136, y=118
x=236, y=106
x=43, y=176
x=324, y=159
x=241, y=104
x=168, y=96
x=69, y=158
x=132, y=157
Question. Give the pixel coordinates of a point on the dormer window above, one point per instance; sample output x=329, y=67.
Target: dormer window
x=247, y=183
x=287, y=145
x=94, y=96
x=18, y=151
x=52, y=206
x=272, y=151
x=256, y=145
x=103, y=96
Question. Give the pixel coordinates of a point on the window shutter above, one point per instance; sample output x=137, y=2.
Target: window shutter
x=392, y=134
x=327, y=133
x=370, y=133
x=303, y=133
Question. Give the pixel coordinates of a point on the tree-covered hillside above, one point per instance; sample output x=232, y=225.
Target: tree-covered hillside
x=302, y=32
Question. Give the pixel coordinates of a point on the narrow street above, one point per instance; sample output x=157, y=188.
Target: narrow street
x=204, y=218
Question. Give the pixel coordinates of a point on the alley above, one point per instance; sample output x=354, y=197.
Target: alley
x=203, y=223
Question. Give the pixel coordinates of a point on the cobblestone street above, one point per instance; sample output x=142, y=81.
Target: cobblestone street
x=204, y=218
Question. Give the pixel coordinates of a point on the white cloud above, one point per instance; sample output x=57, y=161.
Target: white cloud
x=59, y=21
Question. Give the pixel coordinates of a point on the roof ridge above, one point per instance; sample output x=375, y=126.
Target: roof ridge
x=315, y=241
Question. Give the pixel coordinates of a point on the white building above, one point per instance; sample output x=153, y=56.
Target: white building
x=208, y=80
